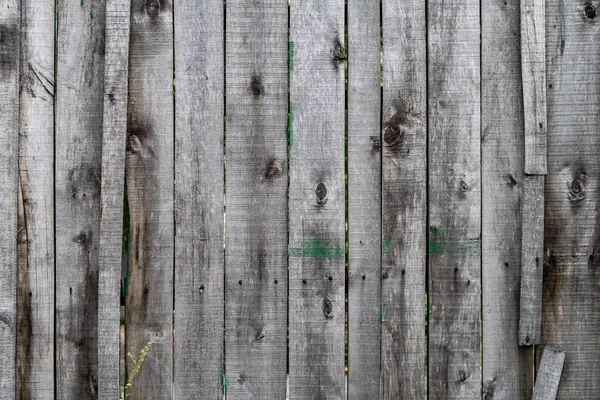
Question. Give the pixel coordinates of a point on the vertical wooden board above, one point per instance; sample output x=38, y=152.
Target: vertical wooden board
x=571, y=291
x=548, y=377
x=199, y=271
x=316, y=201
x=112, y=190
x=78, y=149
x=35, y=325
x=149, y=173
x=507, y=368
x=454, y=199
x=9, y=120
x=364, y=200
x=404, y=200
x=256, y=198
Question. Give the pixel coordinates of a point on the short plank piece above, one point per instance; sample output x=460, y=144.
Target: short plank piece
x=114, y=129
x=316, y=201
x=454, y=199
x=404, y=200
x=35, y=326
x=199, y=302
x=10, y=33
x=78, y=164
x=533, y=71
x=364, y=201
x=256, y=199
x=150, y=180
x=548, y=376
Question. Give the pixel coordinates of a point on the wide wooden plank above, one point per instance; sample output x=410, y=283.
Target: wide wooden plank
x=149, y=173
x=35, y=337
x=10, y=33
x=112, y=189
x=404, y=202
x=199, y=192
x=364, y=200
x=507, y=368
x=454, y=199
x=548, y=377
x=316, y=201
x=78, y=149
x=571, y=299
x=256, y=198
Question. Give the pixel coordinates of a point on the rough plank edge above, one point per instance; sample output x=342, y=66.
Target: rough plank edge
x=548, y=379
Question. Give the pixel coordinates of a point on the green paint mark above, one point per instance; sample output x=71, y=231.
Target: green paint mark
x=385, y=246
x=291, y=55
x=225, y=385
x=81, y=2
x=317, y=247
x=382, y=317
x=459, y=244
x=290, y=127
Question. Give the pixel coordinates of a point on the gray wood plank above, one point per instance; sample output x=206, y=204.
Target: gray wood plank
x=548, y=377
x=507, y=368
x=454, y=199
x=570, y=312
x=78, y=158
x=112, y=189
x=533, y=70
x=316, y=201
x=404, y=200
x=199, y=302
x=364, y=200
x=256, y=198
x=10, y=33
x=35, y=325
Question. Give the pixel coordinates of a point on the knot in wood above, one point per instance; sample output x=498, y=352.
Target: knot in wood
x=589, y=11
x=256, y=86
x=462, y=375
x=152, y=8
x=339, y=52
x=133, y=144
x=321, y=193
x=274, y=169
x=327, y=308
x=576, y=191
x=464, y=187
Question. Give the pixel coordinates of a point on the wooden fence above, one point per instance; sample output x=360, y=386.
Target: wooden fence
x=393, y=199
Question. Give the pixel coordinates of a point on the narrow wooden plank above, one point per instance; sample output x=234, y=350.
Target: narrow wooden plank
x=507, y=368
x=532, y=256
x=256, y=198
x=199, y=303
x=149, y=174
x=533, y=70
x=10, y=34
x=35, y=329
x=548, y=377
x=454, y=199
x=570, y=312
x=364, y=200
x=404, y=188
x=112, y=189
x=78, y=161
x=316, y=201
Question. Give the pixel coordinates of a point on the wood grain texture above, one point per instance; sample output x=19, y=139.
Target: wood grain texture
x=256, y=198
x=548, y=377
x=35, y=324
x=404, y=200
x=316, y=201
x=199, y=302
x=10, y=33
x=507, y=368
x=533, y=70
x=112, y=190
x=454, y=199
x=149, y=174
x=78, y=160
x=364, y=200
x=570, y=312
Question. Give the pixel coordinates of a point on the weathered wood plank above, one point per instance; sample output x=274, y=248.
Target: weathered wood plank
x=112, y=189
x=149, y=174
x=10, y=33
x=364, y=200
x=35, y=326
x=533, y=70
x=454, y=199
x=256, y=198
x=404, y=200
x=316, y=201
x=507, y=368
x=570, y=311
x=199, y=192
x=548, y=377
x=78, y=160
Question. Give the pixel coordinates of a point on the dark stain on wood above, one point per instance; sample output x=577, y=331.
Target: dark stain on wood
x=510, y=180
x=9, y=50
x=274, y=169
x=24, y=309
x=84, y=182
